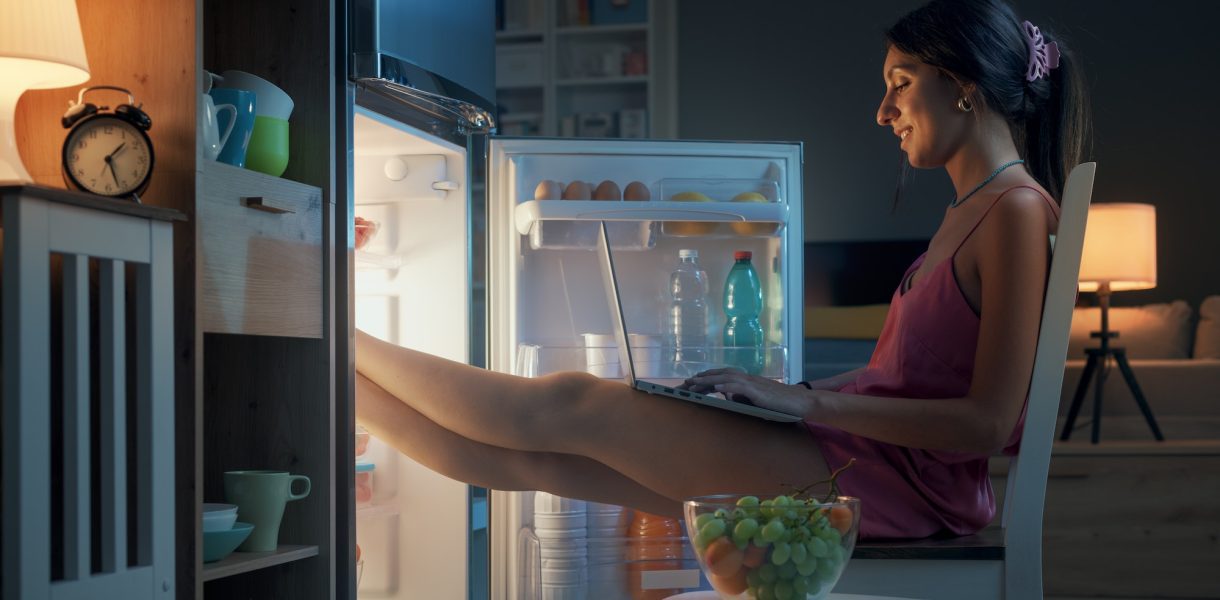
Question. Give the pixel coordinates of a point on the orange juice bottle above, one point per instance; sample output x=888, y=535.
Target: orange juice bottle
x=653, y=544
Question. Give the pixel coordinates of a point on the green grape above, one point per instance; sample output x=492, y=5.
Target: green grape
x=753, y=579
x=721, y=513
x=832, y=536
x=784, y=591
x=702, y=540
x=808, y=567
x=782, y=501
x=780, y=553
x=712, y=529
x=837, y=554
x=757, y=539
x=814, y=585
x=800, y=587
x=826, y=569
x=772, y=530
x=765, y=592
x=745, y=528
x=787, y=570
x=747, y=501
x=764, y=507
x=819, y=548
x=768, y=572
x=738, y=514
x=799, y=552
x=702, y=520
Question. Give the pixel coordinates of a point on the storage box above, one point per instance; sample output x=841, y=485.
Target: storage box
x=606, y=12
x=519, y=65
x=633, y=123
x=595, y=125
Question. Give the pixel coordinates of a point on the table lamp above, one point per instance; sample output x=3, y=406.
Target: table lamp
x=40, y=48
x=1119, y=255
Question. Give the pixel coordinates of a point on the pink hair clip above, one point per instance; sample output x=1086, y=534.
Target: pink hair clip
x=1042, y=56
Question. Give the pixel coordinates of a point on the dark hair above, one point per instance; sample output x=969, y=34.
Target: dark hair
x=983, y=42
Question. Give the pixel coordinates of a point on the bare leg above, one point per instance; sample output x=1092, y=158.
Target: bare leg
x=676, y=449
x=454, y=456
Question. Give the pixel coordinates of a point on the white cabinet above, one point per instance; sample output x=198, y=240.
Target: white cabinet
x=587, y=68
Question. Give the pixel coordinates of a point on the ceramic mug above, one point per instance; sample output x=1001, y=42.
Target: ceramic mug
x=268, y=151
x=211, y=140
x=233, y=151
x=260, y=497
x=272, y=101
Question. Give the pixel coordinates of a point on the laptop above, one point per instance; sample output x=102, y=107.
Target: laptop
x=628, y=365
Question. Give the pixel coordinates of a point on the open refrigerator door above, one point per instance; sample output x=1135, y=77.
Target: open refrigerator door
x=412, y=288
x=547, y=312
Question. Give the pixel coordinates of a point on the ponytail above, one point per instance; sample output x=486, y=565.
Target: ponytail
x=1055, y=133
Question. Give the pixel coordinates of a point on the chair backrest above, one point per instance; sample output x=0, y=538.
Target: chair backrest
x=1025, y=492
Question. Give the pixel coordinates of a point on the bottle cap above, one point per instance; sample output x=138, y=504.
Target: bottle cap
x=688, y=253
x=742, y=255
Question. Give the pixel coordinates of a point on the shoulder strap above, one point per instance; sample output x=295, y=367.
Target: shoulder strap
x=1054, y=209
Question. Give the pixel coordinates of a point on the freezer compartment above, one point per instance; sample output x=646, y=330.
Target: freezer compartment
x=610, y=568
x=653, y=360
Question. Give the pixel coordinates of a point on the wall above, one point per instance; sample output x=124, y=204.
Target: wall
x=811, y=71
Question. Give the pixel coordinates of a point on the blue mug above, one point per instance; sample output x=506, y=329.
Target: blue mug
x=234, y=151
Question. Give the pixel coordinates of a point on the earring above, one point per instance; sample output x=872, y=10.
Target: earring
x=964, y=105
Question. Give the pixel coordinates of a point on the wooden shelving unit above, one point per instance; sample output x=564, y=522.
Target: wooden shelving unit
x=557, y=78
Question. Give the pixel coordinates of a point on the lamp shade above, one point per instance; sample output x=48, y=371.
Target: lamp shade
x=1119, y=247
x=41, y=44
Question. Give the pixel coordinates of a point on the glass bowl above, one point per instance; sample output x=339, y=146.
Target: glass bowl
x=777, y=548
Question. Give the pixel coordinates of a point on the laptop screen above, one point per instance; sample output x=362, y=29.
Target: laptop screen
x=617, y=323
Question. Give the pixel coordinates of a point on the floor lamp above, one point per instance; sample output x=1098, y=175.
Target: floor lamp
x=1119, y=254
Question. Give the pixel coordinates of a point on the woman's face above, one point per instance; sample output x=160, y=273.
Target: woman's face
x=920, y=105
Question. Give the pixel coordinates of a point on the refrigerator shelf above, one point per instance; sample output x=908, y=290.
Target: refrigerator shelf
x=528, y=213
x=373, y=261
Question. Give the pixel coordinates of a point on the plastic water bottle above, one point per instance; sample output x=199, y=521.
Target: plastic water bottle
x=688, y=322
x=743, y=302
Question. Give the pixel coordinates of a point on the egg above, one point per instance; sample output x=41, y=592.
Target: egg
x=577, y=190
x=548, y=190
x=607, y=190
x=636, y=191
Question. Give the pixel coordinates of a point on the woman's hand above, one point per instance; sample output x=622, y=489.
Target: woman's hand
x=739, y=386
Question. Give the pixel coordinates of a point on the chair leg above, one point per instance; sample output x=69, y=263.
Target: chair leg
x=1120, y=356
x=1078, y=398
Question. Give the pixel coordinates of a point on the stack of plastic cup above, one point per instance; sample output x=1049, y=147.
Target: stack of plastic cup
x=560, y=524
x=607, y=525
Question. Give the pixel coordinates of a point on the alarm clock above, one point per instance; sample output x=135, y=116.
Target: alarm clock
x=107, y=152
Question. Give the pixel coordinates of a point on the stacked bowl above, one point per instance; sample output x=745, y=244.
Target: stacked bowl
x=222, y=534
x=561, y=525
x=607, y=574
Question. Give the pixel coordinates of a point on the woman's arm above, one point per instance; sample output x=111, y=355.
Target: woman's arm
x=835, y=382
x=1010, y=261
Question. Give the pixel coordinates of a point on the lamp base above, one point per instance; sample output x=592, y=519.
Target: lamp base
x=1097, y=363
x=12, y=171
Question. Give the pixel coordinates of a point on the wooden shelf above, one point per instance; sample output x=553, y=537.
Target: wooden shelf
x=244, y=562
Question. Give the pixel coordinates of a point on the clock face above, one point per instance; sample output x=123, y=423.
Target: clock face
x=108, y=156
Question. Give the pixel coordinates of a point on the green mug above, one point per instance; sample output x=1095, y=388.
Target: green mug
x=260, y=497
x=268, y=149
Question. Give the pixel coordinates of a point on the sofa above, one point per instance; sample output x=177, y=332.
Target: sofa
x=1173, y=350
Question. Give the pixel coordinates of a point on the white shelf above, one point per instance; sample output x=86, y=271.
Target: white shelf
x=602, y=29
x=528, y=213
x=517, y=35
x=595, y=81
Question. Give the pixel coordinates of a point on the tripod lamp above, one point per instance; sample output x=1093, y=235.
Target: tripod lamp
x=1119, y=255
x=40, y=47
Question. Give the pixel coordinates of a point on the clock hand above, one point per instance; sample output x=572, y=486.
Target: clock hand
x=110, y=163
x=115, y=151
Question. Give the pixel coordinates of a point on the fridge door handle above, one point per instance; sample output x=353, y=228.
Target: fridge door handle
x=261, y=203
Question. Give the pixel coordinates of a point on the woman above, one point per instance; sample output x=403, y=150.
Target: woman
x=968, y=87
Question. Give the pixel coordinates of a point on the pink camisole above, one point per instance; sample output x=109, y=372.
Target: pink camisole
x=926, y=350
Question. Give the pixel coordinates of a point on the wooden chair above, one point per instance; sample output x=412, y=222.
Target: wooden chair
x=1002, y=562
x=94, y=557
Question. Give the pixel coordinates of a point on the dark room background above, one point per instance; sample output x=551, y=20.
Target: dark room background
x=811, y=72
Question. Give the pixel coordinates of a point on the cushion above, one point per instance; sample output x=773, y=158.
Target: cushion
x=1207, y=338
x=1149, y=331
x=862, y=322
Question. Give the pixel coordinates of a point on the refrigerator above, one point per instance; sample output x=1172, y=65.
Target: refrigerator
x=473, y=260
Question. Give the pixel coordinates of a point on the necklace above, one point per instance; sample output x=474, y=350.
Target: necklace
x=978, y=187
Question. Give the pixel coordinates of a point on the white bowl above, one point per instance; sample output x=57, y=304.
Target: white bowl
x=605, y=520
x=551, y=504
x=560, y=521
x=559, y=534
x=604, y=532
x=219, y=517
x=269, y=99
x=568, y=553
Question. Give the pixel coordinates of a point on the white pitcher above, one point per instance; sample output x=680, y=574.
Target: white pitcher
x=211, y=140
